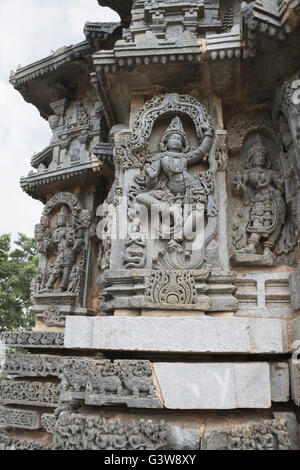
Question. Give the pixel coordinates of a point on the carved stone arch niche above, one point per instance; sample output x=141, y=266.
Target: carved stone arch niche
x=164, y=105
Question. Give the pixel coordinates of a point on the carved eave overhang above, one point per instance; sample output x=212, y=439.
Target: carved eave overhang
x=122, y=7
x=269, y=21
x=60, y=75
x=46, y=181
x=144, y=67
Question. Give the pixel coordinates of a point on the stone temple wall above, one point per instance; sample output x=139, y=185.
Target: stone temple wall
x=167, y=294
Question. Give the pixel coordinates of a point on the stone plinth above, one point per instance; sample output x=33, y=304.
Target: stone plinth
x=178, y=334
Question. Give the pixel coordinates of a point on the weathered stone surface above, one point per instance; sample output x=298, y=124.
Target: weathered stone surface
x=103, y=382
x=129, y=383
x=214, y=386
x=32, y=365
x=295, y=334
x=294, y=280
x=292, y=425
x=181, y=438
x=32, y=339
x=280, y=381
x=19, y=418
x=97, y=433
x=13, y=443
x=264, y=294
x=180, y=334
x=173, y=150
x=29, y=393
x=48, y=422
x=295, y=380
x=266, y=435
x=79, y=330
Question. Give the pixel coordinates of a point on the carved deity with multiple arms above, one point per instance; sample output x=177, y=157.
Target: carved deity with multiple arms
x=68, y=244
x=178, y=186
x=264, y=217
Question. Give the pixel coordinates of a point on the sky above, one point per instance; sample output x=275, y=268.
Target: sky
x=29, y=30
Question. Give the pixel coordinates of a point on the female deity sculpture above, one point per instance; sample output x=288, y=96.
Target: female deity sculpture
x=168, y=183
x=265, y=213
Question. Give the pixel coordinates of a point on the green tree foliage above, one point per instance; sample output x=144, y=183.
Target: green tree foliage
x=18, y=265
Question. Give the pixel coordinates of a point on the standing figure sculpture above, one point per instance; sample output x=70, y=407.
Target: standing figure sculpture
x=265, y=208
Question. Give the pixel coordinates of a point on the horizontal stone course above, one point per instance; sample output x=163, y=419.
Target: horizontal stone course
x=214, y=386
x=178, y=334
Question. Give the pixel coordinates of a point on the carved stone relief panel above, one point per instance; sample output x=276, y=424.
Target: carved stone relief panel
x=12, y=443
x=103, y=382
x=63, y=238
x=19, y=418
x=263, y=228
x=286, y=116
x=122, y=382
x=75, y=373
x=166, y=217
x=29, y=393
x=48, y=422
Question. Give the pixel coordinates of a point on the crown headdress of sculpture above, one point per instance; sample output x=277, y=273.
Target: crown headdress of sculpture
x=175, y=127
x=257, y=147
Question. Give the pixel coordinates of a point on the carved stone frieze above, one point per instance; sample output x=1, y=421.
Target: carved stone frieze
x=267, y=435
x=104, y=382
x=266, y=18
x=52, y=316
x=63, y=247
x=29, y=393
x=48, y=422
x=241, y=126
x=78, y=432
x=163, y=104
x=32, y=339
x=75, y=373
x=19, y=418
x=122, y=382
x=171, y=287
x=12, y=443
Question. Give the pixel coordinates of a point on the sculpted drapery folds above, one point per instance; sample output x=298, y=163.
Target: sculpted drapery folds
x=60, y=237
x=262, y=223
